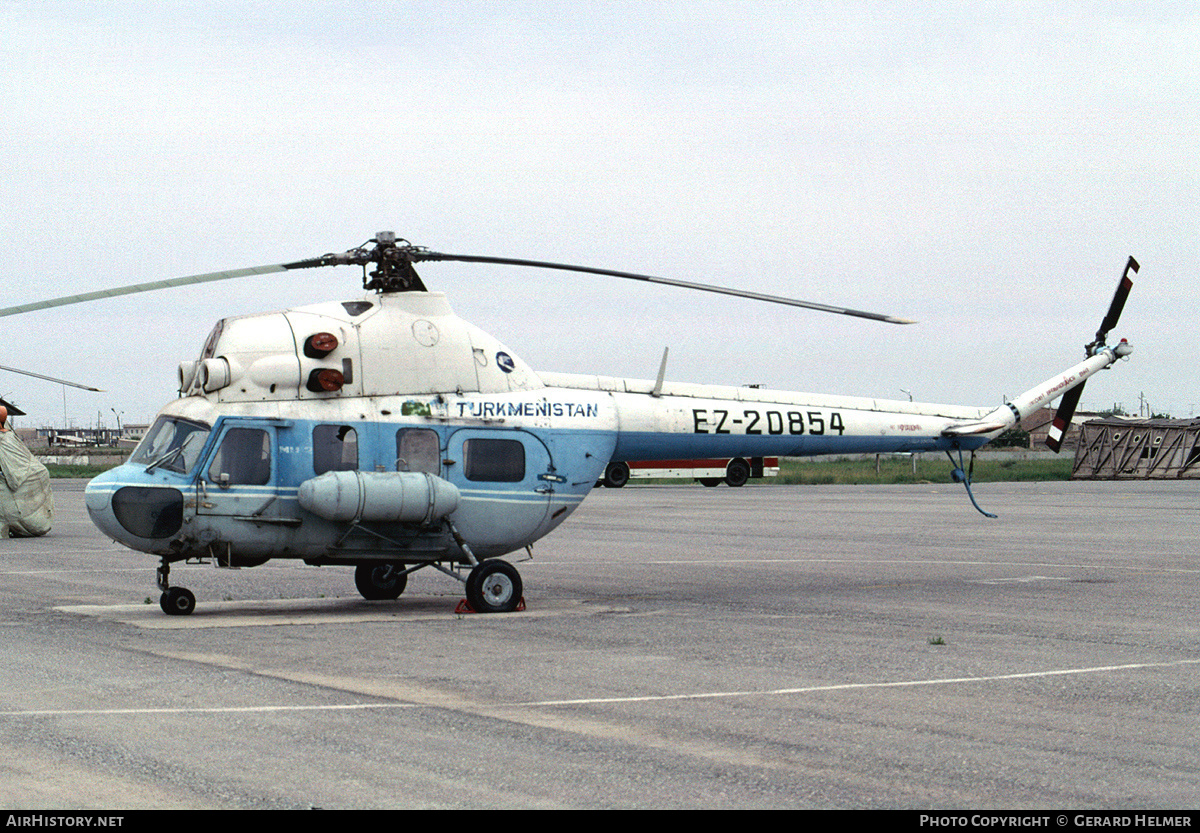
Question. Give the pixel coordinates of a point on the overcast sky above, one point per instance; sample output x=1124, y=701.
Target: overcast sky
x=985, y=168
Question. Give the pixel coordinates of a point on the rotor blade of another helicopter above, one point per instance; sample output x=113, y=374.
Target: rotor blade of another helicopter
x=50, y=379
x=143, y=287
x=740, y=293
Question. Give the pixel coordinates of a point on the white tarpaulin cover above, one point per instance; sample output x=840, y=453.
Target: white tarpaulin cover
x=26, y=504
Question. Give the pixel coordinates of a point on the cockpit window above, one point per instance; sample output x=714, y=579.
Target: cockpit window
x=335, y=448
x=172, y=444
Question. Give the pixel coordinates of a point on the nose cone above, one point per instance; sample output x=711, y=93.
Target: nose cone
x=98, y=499
x=140, y=515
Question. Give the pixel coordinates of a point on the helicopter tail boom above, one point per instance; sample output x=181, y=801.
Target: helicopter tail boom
x=1011, y=413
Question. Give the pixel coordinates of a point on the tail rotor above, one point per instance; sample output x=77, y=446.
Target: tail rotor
x=1070, y=400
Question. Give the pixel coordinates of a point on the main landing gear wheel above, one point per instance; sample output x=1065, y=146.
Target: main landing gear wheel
x=494, y=586
x=380, y=581
x=177, y=601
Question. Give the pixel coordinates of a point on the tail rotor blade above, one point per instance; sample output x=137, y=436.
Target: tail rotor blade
x=1118, y=301
x=1063, y=417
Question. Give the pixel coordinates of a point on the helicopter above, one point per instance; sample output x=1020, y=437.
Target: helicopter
x=389, y=435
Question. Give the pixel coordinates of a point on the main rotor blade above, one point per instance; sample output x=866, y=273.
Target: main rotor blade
x=409, y=254
x=144, y=287
x=51, y=379
x=1063, y=417
x=740, y=293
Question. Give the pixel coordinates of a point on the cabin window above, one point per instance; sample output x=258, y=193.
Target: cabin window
x=418, y=449
x=497, y=461
x=244, y=458
x=335, y=448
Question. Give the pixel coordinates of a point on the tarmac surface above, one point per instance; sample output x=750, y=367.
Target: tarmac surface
x=682, y=647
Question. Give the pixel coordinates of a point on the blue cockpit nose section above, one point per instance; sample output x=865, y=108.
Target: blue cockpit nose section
x=126, y=511
x=148, y=511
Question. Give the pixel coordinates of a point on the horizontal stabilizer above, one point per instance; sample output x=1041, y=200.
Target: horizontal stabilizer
x=968, y=429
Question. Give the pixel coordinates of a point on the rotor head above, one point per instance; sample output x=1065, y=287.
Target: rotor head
x=392, y=256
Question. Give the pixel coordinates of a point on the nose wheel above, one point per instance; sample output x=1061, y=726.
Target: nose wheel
x=177, y=601
x=174, y=601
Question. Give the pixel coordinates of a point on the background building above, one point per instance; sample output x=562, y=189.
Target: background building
x=1113, y=448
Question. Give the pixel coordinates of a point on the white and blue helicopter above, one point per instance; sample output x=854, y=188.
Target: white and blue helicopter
x=390, y=435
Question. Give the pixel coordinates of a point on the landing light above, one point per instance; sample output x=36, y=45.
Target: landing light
x=320, y=345
x=325, y=380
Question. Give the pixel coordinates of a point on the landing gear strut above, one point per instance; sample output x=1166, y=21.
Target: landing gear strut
x=493, y=586
x=174, y=601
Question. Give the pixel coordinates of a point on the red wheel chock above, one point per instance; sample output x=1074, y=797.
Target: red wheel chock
x=465, y=607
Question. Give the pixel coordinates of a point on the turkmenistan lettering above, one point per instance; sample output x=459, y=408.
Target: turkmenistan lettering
x=494, y=410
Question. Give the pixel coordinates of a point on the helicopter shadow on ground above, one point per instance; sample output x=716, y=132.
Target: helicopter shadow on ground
x=325, y=611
